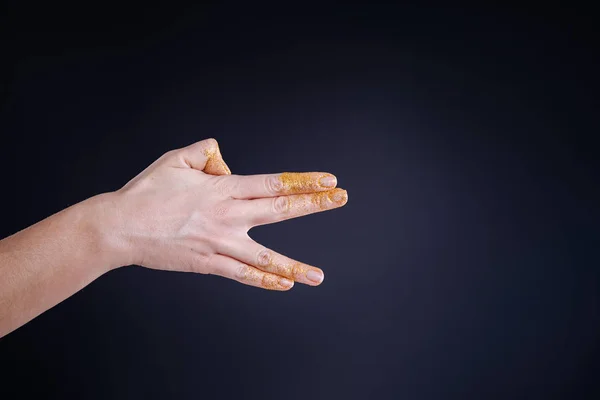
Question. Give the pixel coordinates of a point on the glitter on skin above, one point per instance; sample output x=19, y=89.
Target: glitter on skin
x=298, y=182
x=266, y=281
x=215, y=164
x=309, y=203
x=320, y=200
x=303, y=204
x=290, y=269
x=305, y=194
x=299, y=270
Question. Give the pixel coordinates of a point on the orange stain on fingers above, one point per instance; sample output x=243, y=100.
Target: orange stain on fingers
x=306, y=182
x=214, y=163
x=299, y=270
x=318, y=201
x=288, y=268
x=254, y=277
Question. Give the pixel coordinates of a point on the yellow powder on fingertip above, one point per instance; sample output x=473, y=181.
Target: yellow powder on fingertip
x=324, y=200
x=257, y=278
x=301, y=182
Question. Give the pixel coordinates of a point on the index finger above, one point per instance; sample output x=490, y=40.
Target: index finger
x=272, y=185
x=256, y=255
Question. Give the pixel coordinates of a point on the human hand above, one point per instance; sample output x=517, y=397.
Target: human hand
x=174, y=216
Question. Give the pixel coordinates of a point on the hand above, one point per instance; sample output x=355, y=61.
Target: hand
x=174, y=216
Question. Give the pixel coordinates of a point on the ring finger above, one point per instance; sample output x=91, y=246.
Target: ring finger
x=275, y=209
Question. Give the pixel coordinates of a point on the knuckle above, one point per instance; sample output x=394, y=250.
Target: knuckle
x=265, y=282
x=280, y=204
x=210, y=142
x=175, y=156
x=298, y=270
x=264, y=258
x=273, y=184
x=241, y=272
x=269, y=282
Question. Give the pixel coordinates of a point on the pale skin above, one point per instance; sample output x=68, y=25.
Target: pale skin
x=185, y=212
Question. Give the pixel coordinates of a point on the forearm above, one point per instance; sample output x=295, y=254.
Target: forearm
x=45, y=263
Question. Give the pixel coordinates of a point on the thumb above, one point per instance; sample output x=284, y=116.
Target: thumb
x=206, y=156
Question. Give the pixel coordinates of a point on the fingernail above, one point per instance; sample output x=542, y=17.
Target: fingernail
x=340, y=196
x=315, y=276
x=285, y=282
x=328, y=181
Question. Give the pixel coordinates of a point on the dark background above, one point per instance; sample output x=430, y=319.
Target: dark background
x=465, y=264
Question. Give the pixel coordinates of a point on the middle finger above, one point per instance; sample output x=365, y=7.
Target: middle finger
x=270, y=210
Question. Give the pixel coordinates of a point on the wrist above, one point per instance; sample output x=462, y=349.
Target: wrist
x=106, y=226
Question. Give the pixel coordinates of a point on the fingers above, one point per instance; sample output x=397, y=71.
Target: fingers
x=270, y=185
x=275, y=209
x=233, y=269
x=252, y=253
x=215, y=165
x=205, y=156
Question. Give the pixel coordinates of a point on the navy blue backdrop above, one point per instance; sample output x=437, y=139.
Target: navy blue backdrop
x=465, y=264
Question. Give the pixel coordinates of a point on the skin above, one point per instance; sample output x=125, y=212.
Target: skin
x=185, y=212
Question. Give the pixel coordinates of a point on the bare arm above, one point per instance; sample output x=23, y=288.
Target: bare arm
x=44, y=264
x=175, y=215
